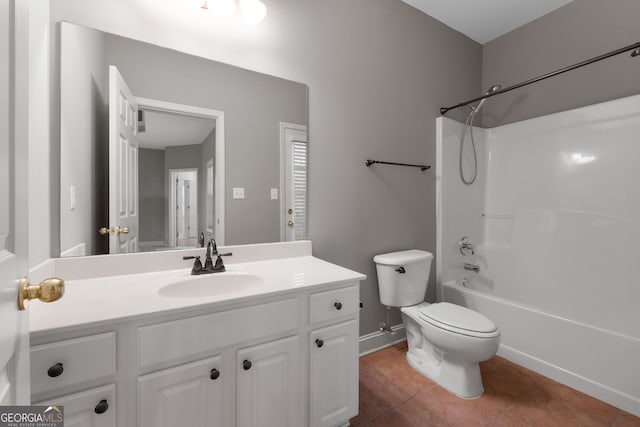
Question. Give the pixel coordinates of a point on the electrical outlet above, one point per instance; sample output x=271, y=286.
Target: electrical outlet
x=238, y=192
x=274, y=194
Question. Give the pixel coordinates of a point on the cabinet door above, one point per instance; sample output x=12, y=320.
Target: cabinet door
x=334, y=374
x=90, y=408
x=190, y=395
x=269, y=384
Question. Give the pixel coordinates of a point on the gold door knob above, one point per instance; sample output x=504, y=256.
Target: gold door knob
x=48, y=290
x=114, y=230
x=290, y=223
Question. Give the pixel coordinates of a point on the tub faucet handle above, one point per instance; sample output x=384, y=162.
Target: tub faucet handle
x=466, y=248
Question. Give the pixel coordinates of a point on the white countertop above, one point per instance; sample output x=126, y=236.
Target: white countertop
x=91, y=301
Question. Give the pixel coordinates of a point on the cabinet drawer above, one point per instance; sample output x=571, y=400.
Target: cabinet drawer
x=186, y=339
x=95, y=407
x=67, y=363
x=329, y=305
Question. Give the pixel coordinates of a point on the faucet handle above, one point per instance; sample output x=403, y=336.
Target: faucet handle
x=465, y=246
x=219, y=263
x=197, y=264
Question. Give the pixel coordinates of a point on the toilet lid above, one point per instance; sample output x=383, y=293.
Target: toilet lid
x=456, y=318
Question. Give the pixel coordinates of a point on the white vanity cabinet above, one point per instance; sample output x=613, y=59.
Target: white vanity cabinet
x=269, y=386
x=287, y=359
x=67, y=368
x=187, y=395
x=94, y=407
x=333, y=357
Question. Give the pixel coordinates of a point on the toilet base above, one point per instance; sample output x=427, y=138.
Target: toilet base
x=462, y=379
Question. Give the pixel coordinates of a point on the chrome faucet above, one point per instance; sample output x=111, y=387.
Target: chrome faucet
x=472, y=267
x=212, y=249
x=209, y=266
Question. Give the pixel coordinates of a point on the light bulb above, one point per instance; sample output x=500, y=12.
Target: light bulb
x=253, y=11
x=195, y=3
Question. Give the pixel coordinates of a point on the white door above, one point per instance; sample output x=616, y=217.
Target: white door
x=293, y=140
x=268, y=385
x=14, y=325
x=123, y=166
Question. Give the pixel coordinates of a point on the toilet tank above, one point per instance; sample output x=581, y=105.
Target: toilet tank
x=403, y=277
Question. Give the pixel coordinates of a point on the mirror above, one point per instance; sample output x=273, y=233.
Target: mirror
x=191, y=147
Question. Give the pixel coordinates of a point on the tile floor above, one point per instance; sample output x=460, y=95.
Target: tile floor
x=392, y=394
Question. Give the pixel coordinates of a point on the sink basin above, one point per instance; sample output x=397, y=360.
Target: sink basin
x=211, y=285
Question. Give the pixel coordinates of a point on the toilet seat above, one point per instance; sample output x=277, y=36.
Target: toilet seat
x=457, y=319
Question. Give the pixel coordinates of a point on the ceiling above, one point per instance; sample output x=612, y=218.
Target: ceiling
x=484, y=20
x=171, y=129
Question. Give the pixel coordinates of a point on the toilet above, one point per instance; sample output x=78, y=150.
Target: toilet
x=446, y=341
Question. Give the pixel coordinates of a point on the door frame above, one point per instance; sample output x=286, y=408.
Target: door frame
x=172, y=201
x=219, y=169
x=284, y=127
x=14, y=242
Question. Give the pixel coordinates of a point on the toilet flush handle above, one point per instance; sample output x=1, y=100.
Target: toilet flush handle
x=401, y=270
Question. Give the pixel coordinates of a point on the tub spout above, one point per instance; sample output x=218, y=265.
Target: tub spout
x=472, y=267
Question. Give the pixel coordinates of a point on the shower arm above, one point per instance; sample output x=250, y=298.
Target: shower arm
x=632, y=47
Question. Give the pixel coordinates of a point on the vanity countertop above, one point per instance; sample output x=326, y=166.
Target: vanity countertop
x=92, y=301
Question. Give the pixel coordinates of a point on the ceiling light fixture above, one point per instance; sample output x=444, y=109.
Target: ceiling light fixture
x=251, y=11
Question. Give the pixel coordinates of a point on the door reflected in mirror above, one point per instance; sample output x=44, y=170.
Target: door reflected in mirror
x=176, y=153
x=198, y=129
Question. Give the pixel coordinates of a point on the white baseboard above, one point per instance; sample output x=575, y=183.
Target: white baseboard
x=568, y=378
x=378, y=340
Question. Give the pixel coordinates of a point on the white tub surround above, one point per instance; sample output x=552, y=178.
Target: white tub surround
x=273, y=339
x=555, y=219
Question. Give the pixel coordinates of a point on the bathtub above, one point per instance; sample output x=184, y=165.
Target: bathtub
x=560, y=348
x=554, y=218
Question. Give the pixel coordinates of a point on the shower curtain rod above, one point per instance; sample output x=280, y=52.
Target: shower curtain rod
x=634, y=47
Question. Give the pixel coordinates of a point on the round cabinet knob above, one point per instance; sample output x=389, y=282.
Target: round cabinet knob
x=319, y=342
x=246, y=365
x=338, y=306
x=215, y=374
x=101, y=407
x=56, y=370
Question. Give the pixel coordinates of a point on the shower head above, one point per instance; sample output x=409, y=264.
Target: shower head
x=491, y=90
x=635, y=52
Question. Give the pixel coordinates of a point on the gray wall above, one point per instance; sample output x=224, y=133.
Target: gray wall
x=254, y=105
x=152, y=197
x=84, y=136
x=377, y=70
x=578, y=31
